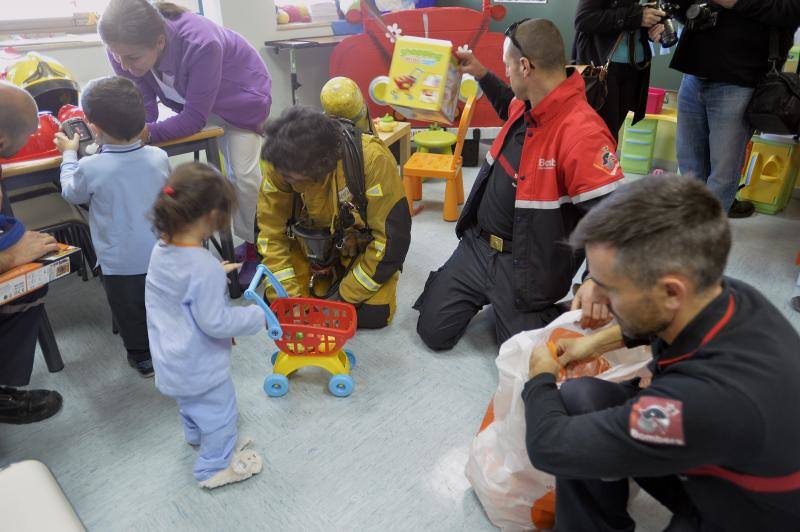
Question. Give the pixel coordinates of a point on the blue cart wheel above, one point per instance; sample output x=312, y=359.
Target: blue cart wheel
x=341, y=385
x=351, y=357
x=276, y=385
x=274, y=357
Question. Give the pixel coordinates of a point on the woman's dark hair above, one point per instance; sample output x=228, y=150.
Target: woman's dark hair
x=115, y=105
x=136, y=22
x=303, y=141
x=192, y=191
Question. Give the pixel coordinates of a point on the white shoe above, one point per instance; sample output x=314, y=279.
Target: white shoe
x=244, y=464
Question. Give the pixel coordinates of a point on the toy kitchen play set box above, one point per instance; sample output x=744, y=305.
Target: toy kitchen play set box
x=24, y=279
x=424, y=79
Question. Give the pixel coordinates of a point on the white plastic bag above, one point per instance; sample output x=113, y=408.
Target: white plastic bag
x=514, y=494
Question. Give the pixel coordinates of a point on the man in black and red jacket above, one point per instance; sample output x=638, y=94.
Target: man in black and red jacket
x=552, y=161
x=714, y=437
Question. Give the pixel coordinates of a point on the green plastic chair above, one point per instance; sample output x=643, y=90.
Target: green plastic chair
x=435, y=139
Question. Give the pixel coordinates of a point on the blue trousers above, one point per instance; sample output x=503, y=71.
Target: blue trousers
x=712, y=134
x=209, y=420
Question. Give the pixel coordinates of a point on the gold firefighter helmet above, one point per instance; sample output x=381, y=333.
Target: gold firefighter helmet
x=47, y=80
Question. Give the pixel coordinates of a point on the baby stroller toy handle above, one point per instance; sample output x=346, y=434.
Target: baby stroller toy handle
x=273, y=327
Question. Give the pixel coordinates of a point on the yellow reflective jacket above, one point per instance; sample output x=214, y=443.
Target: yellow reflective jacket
x=387, y=214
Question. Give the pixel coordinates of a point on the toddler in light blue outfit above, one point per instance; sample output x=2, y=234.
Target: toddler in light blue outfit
x=191, y=322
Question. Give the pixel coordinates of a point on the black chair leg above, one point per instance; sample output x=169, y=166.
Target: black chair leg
x=114, y=327
x=47, y=341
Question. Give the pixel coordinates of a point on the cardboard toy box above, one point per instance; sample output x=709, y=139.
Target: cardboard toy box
x=424, y=79
x=24, y=279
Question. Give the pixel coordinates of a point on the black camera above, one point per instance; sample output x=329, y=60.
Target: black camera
x=670, y=37
x=701, y=16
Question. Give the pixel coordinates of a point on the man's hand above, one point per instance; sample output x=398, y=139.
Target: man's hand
x=727, y=4
x=651, y=16
x=469, y=64
x=595, y=311
x=31, y=246
x=575, y=349
x=655, y=32
x=64, y=143
x=542, y=361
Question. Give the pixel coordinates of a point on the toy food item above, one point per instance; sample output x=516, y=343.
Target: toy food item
x=295, y=15
x=424, y=79
x=305, y=15
x=353, y=15
x=386, y=123
x=283, y=16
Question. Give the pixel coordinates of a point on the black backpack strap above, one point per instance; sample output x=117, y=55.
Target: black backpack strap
x=774, y=48
x=353, y=164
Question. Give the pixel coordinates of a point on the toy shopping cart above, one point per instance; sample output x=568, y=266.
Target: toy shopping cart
x=308, y=332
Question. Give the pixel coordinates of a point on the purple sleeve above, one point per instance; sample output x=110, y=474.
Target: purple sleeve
x=148, y=94
x=204, y=64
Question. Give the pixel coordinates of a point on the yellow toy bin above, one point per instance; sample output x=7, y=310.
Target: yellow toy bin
x=425, y=82
x=770, y=173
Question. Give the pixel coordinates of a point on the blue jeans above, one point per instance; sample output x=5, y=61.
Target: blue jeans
x=209, y=420
x=712, y=134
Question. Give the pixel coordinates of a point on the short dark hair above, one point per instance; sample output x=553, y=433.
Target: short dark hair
x=115, y=105
x=303, y=141
x=192, y=191
x=661, y=225
x=541, y=43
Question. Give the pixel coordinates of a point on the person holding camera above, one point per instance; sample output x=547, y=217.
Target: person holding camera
x=616, y=31
x=723, y=54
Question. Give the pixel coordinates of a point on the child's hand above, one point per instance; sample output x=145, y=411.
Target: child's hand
x=64, y=143
x=230, y=266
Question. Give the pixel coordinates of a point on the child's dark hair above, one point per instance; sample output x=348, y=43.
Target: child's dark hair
x=192, y=191
x=303, y=141
x=115, y=105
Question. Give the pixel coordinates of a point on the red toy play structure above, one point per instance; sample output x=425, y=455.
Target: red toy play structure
x=367, y=56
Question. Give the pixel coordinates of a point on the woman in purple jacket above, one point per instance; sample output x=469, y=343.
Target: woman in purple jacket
x=207, y=74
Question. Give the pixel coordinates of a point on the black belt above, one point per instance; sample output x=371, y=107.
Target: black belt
x=495, y=242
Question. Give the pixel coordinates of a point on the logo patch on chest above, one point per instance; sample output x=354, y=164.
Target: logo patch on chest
x=657, y=420
x=547, y=164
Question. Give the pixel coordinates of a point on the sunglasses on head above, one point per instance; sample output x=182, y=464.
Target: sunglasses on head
x=511, y=34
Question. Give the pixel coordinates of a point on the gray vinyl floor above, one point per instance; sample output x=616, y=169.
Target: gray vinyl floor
x=390, y=457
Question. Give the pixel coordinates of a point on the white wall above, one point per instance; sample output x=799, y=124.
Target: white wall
x=256, y=22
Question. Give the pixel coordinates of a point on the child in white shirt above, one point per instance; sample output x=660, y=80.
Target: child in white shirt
x=191, y=321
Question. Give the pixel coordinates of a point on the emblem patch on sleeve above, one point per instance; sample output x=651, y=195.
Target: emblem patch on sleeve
x=607, y=161
x=657, y=420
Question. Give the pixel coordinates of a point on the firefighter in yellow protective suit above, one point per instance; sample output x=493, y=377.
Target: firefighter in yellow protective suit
x=333, y=220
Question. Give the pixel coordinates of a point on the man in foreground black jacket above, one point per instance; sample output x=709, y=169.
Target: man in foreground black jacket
x=714, y=436
x=722, y=63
